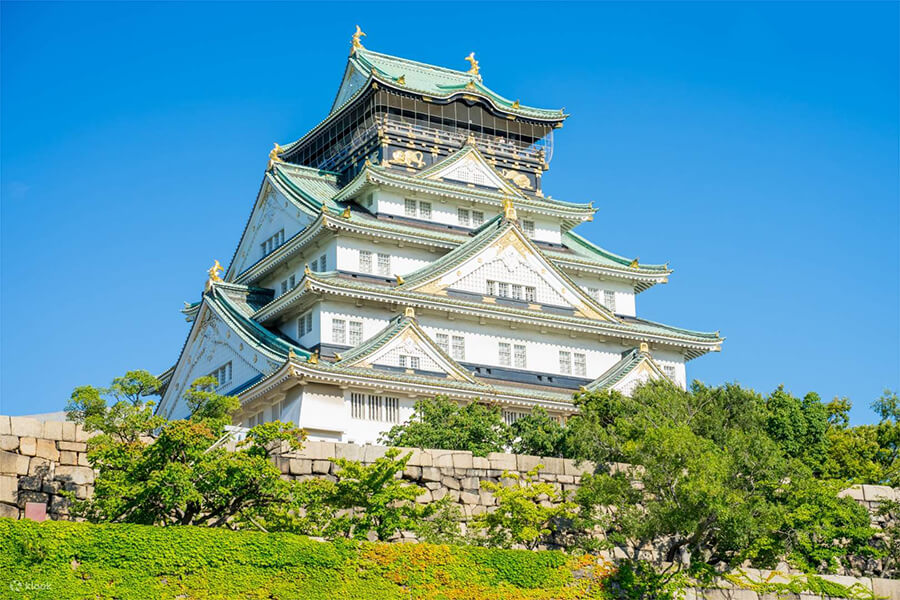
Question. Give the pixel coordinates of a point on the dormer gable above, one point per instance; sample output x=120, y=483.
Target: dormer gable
x=468, y=166
x=500, y=262
x=404, y=345
x=635, y=368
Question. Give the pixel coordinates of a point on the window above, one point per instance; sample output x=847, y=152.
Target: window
x=609, y=300
x=392, y=410
x=409, y=362
x=530, y=293
x=491, y=288
x=222, y=374
x=594, y=293
x=505, y=354
x=272, y=243
x=669, y=370
x=339, y=331
x=284, y=287
x=304, y=325
x=410, y=208
x=519, y=356
x=355, y=333
x=425, y=210
x=462, y=215
x=528, y=227
x=288, y=284
x=580, y=364
x=511, y=416
x=375, y=406
x=443, y=342
x=365, y=261
x=358, y=406
x=384, y=264
x=565, y=362
x=477, y=218
x=459, y=347
x=516, y=291
x=322, y=264
x=503, y=289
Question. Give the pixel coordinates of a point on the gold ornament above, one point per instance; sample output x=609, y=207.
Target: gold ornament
x=275, y=155
x=213, y=275
x=356, y=44
x=474, y=68
x=509, y=211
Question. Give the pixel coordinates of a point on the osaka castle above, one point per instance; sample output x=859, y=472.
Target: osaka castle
x=405, y=248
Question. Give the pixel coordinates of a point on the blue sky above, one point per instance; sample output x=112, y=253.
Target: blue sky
x=754, y=146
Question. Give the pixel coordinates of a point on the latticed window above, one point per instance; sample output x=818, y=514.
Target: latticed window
x=516, y=291
x=528, y=227
x=530, y=293
x=272, y=243
x=462, y=215
x=376, y=406
x=505, y=354
x=594, y=293
x=410, y=206
x=580, y=364
x=609, y=300
x=339, y=331
x=358, y=406
x=491, y=288
x=384, y=264
x=519, y=356
x=425, y=210
x=459, y=347
x=511, y=416
x=222, y=374
x=565, y=362
x=409, y=362
x=669, y=370
x=502, y=289
x=443, y=342
x=392, y=410
x=304, y=324
x=355, y=333
x=322, y=264
x=477, y=218
x=365, y=261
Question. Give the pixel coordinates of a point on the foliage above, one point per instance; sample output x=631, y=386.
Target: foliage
x=889, y=510
x=443, y=423
x=524, y=514
x=798, y=426
x=715, y=487
x=187, y=475
x=539, y=434
x=58, y=559
x=799, y=584
x=640, y=580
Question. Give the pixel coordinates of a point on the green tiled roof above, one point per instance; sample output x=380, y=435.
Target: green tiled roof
x=395, y=326
x=313, y=188
x=615, y=374
x=439, y=82
x=590, y=250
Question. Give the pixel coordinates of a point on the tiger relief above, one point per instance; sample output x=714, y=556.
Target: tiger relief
x=408, y=158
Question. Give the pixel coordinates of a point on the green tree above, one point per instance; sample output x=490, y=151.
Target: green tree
x=527, y=512
x=539, y=434
x=798, y=426
x=158, y=472
x=445, y=424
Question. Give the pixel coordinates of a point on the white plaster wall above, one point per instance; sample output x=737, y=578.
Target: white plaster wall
x=625, y=297
x=374, y=319
x=274, y=213
x=290, y=327
x=404, y=260
x=364, y=431
x=297, y=265
x=545, y=228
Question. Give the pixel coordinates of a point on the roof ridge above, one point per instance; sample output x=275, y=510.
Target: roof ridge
x=416, y=63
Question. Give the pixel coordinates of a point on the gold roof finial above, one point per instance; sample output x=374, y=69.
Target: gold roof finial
x=645, y=348
x=346, y=213
x=402, y=80
x=337, y=356
x=356, y=43
x=306, y=270
x=213, y=275
x=400, y=280
x=313, y=358
x=410, y=312
x=275, y=155
x=474, y=69
x=509, y=211
x=634, y=264
x=516, y=104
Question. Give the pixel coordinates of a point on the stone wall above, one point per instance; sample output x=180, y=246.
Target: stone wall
x=38, y=460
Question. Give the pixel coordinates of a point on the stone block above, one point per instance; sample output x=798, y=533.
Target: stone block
x=470, y=483
x=52, y=430
x=442, y=459
x=81, y=435
x=47, y=449
x=431, y=474
x=77, y=475
x=565, y=478
x=438, y=494
x=68, y=458
x=454, y=495
x=552, y=465
x=9, y=489
x=886, y=588
x=9, y=512
x=59, y=505
x=83, y=460
x=68, y=431
x=28, y=446
x=300, y=466
x=468, y=498
x=877, y=493
x=462, y=460
x=322, y=467
x=414, y=473
x=32, y=483
x=526, y=463
x=318, y=450
x=450, y=483
x=373, y=453
x=424, y=497
x=485, y=498
x=25, y=427
x=40, y=466
x=51, y=486
x=502, y=462
x=349, y=451
x=433, y=485
x=4, y=425
x=72, y=446
x=13, y=464
x=26, y=496
x=847, y=581
x=9, y=442
x=571, y=467
x=480, y=462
